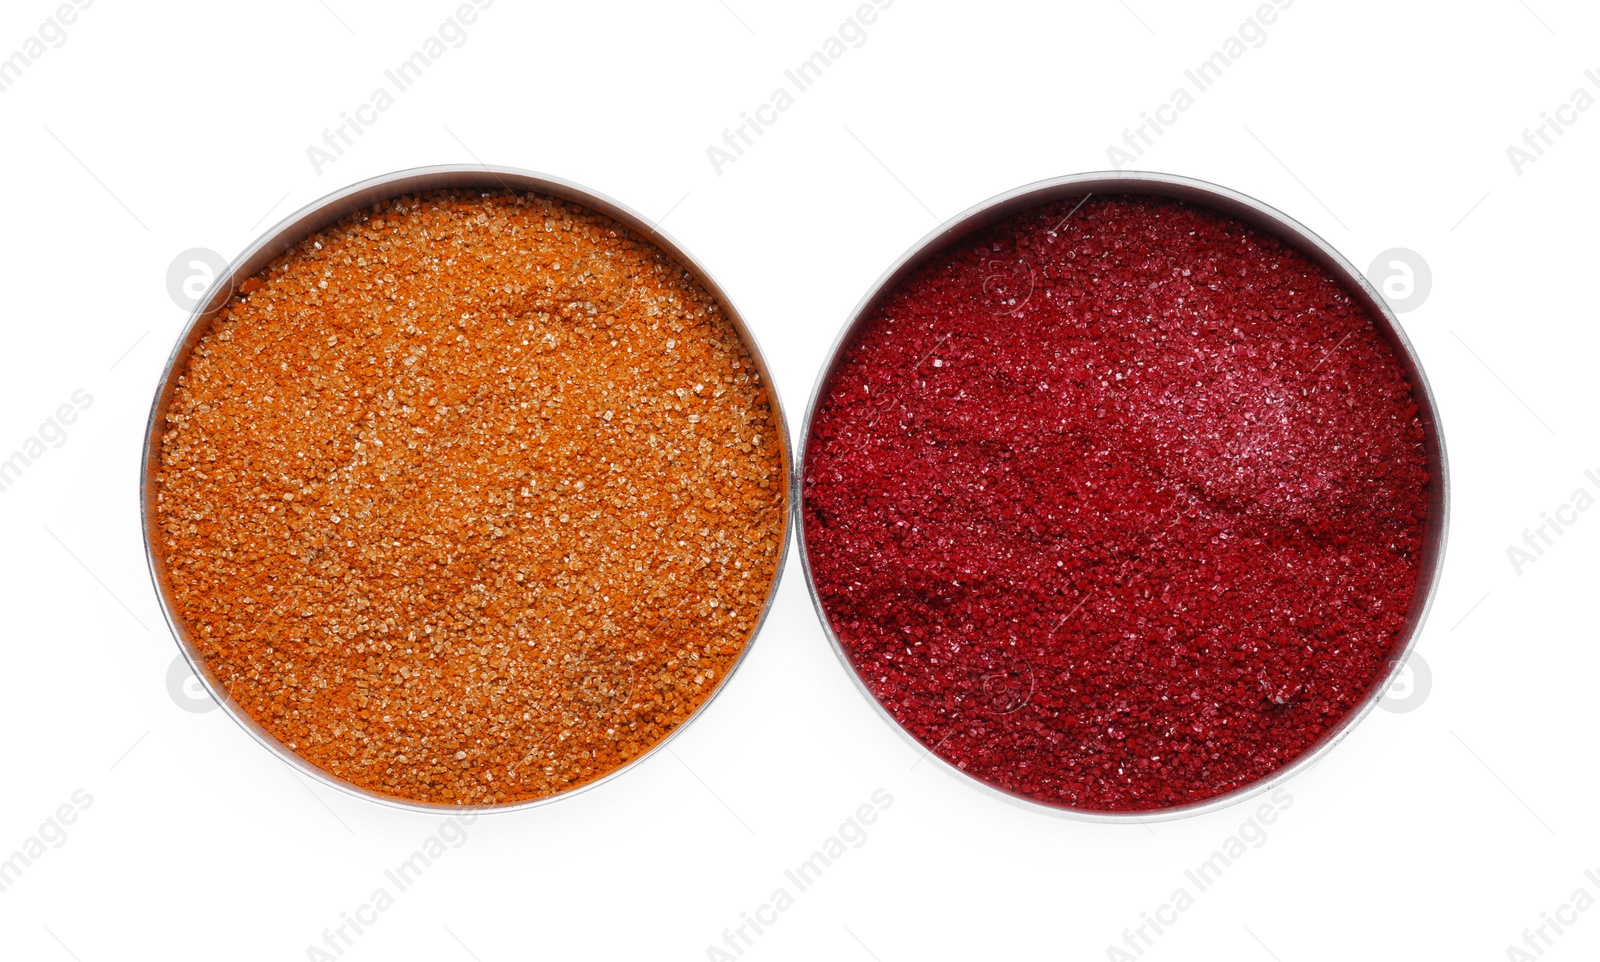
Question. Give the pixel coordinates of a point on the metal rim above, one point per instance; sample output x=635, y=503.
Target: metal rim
x=1261, y=217
x=326, y=212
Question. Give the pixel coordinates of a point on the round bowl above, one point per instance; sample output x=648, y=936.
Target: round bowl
x=324, y=213
x=1268, y=220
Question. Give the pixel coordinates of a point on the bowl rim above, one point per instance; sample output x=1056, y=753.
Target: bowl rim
x=1262, y=217
x=326, y=212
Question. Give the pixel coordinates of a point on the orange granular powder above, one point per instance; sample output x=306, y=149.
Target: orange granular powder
x=471, y=498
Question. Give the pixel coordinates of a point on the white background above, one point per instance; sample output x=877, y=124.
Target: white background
x=1439, y=833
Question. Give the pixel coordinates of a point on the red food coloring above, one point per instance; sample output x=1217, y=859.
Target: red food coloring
x=1117, y=508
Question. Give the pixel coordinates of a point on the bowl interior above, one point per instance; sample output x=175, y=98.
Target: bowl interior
x=324, y=213
x=1263, y=218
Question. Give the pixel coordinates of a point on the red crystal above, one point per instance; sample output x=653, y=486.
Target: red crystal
x=1120, y=510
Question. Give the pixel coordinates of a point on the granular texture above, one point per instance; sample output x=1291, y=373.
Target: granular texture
x=1119, y=507
x=471, y=498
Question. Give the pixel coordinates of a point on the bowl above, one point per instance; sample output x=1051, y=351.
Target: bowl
x=1261, y=217
x=324, y=213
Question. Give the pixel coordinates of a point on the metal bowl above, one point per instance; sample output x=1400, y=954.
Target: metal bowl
x=323, y=213
x=1263, y=218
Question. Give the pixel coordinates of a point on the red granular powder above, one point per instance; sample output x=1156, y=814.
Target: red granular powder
x=1117, y=507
